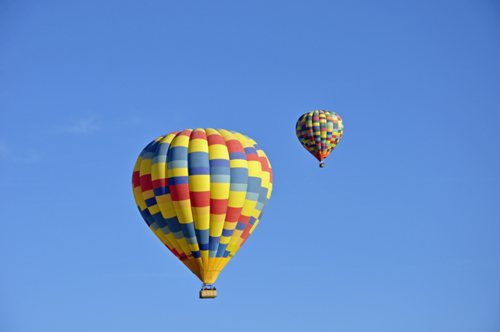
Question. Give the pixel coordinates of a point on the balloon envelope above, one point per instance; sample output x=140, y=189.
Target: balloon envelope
x=319, y=132
x=202, y=192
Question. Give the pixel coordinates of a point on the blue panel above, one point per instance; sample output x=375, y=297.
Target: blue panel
x=178, y=180
x=241, y=226
x=198, y=159
x=252, y=196
x=191, y=240
x=165, y=230
x=239, y=175
x=177, y=164
x=198, y=170
x=263, y=194
x=159, y=159
x=250, y=150
x=219, y=163
x=177, y=153
x=152, y=146
x=220, y=178
x=238, y=186
x=158, y=218
x=178, y=235
x=203, y=246
x=214, y=239
x=254, y=184
x=162, y=149
x=252, y=220
x=189, y=232
x=227, y=232
x=145, y=213
x=202, y=235
x=147, y=217
x=215, y=170
x=237, y=155
x=153, y=225
x=150, y=201
x=221, y=250
x=161, y=191
x=173, y=224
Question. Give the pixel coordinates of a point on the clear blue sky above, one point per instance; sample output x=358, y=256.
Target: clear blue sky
x=399, y=232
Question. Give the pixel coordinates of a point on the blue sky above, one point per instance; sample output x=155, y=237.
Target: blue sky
x=399, y=232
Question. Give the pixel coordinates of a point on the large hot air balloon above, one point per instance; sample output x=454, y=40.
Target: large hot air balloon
x=202, y=192
x=319, y=132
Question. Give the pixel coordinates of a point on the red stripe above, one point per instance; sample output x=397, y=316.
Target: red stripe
x=233, y=214
x=179, y=192
x=146, y=183
x=215, y=139
x=264, y=163
x=218, y=206
x=186, y=132
x=252, y=157
x=200, y=199
x=244, y=219
x=246, y=233
x=198, y=134
x=234, y=146
x=173, y=251
x=160, y=183
x=271, y=172
x=136, y=179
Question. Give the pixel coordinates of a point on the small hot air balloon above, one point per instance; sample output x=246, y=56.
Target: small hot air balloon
x=319, y=132
x=202, y=192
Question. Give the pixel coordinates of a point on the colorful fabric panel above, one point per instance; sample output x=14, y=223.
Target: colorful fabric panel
x=202, y=192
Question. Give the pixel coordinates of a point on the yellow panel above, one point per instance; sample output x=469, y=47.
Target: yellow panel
x=211, y=131
x=216, y=227
x=224, y=239
x=158, y=171
x=137, y=166
x=218, y=151
x=254, y=168
x=198, y=145
x=236, y=198
x=248, y=208
x=241, y=163
x=181, y=140
x=146, y=167
x=148, y=194
x=184, y=204
x=199, y=182
x=154, y=209
x=163, y=199
x=201, y=210
x=219, y=190
x=139, y=199
x=183, y=171
x=184, y=215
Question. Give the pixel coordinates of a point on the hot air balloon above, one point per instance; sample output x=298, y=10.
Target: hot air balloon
x=202, y=192
x=319, y=132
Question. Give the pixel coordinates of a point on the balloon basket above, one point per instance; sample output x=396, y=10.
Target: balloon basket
x=322, y=165
x=208, y=292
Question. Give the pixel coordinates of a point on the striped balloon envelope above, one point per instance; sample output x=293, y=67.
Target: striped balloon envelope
x=319, y=132
x=202, y=192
